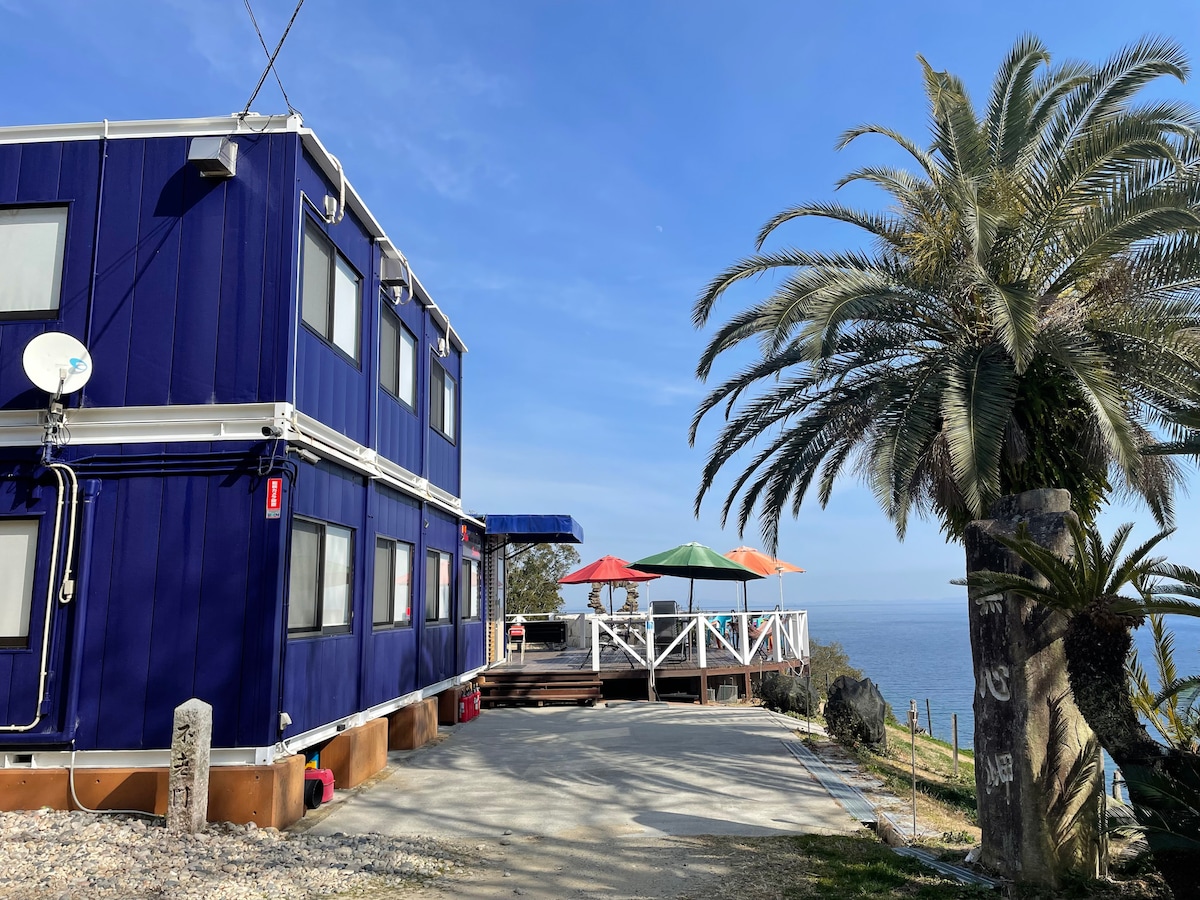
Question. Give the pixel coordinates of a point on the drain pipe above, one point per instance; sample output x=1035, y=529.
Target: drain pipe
x=91, y=491
x=66, y=589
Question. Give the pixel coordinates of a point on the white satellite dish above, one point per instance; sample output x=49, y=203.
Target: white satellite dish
x=57, y=363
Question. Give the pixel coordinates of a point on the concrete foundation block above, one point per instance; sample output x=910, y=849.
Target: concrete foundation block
x=355, y=755
x=413, y=726
x=268, y=796
x=448, y=706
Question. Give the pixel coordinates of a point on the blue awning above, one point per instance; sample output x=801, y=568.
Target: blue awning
x=530, y=529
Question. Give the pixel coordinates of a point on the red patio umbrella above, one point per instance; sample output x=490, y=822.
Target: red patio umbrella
x=608, y=570
x=762, y=563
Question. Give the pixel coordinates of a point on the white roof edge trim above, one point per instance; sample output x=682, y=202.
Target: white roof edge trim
x=151, y=128
x=325, y=160
x=228, y=125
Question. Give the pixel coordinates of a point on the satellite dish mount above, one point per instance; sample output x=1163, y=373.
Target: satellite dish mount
x=57, y=364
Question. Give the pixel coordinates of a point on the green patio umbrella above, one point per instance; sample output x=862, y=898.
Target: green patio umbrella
x=694, y=561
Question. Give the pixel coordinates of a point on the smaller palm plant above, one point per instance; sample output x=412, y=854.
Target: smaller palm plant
x=1104, y=596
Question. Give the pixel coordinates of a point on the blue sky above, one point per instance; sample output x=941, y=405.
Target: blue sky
x=565, y=177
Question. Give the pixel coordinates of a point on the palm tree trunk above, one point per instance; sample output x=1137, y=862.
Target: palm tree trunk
x=1097, y=643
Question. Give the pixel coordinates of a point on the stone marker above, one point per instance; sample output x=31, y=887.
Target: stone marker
x=187, y=781
x=1038, y=822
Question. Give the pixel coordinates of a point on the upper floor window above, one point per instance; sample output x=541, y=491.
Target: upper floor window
x=393, y=583
x=330, y=292
x=397, y=359
x=437, y=585
x=442, y=401
x=32, y=242
x=322, y=575
x=18, y=546
x=470, y=589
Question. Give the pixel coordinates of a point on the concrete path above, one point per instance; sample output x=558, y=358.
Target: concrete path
x=609, y=773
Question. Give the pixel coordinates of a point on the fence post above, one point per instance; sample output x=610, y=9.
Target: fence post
x=928, y=717
x=954, y=728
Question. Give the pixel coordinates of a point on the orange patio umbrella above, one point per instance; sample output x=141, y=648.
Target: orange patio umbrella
x=762, y=563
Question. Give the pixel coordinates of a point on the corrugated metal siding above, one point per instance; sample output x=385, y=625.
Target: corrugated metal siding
x=182, y=602
x=438, y=643
x=400, y=432
x=321, y=674
x=390, y=655
x=193, y=275
x=329, y=386
x=24, y=498
x=444, y=455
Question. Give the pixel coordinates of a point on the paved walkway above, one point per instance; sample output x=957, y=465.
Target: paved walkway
x=609, y=773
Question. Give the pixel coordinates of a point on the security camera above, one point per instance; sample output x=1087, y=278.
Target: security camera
x=272, y=431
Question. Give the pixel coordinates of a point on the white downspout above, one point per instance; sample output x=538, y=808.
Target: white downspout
x=66, y=588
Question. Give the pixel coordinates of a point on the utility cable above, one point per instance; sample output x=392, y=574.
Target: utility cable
x=267, y=54
x=271, y=58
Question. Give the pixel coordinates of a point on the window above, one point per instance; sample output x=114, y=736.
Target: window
x=330, y=292
x=393, y=583
x=437, y=586
x=322, y=572
x=441, y=401
x=32, y=241
x=397, y=359
x=18, y=546
x=469, y=592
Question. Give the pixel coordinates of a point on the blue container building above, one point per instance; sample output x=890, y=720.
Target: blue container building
x=255, y=497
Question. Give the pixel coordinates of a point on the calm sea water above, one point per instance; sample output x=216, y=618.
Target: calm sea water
x=918, y=649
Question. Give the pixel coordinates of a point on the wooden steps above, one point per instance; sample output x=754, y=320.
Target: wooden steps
x=500, y=688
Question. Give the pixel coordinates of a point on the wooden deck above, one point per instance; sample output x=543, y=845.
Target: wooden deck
x=566, y=676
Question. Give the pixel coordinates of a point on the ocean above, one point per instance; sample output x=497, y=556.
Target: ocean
x=921, y=649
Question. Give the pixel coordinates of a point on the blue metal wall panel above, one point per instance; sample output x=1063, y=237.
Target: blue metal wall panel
x=24, y=498
x=321, y=674
x=438, y=644
x=444, y=455
x=108, y=334
x=401, y=433
x=331, y=387
x=182, y=602
x=193, y=276
x=155, y=297
x=390, y=654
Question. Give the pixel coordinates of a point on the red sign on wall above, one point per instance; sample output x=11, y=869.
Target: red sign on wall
x=274, y=497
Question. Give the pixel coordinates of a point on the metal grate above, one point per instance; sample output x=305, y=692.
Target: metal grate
x=851, y=798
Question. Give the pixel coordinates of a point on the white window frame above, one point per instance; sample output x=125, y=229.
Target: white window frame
x=18, y=556
x=328, y=315
x=470, y=590
x=439, y=586
x=395, y=590
x=326, y=581
x=443, y=401
x=400, y=381
x=33, y=243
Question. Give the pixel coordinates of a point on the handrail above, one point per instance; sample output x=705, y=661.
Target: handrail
x=786, y=631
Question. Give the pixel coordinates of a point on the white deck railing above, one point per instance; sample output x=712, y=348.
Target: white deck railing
x=634, y=635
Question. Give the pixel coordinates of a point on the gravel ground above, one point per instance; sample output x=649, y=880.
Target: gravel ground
x=48, y=855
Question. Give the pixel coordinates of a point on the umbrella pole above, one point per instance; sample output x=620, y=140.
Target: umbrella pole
x=780, y=574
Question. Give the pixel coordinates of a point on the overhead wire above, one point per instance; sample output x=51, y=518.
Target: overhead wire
x=270, y=57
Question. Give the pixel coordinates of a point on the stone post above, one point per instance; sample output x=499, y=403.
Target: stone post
x=187, y=781
x=1032, y=747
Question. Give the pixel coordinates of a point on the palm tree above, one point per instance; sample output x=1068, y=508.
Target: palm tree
x=1104, y=596
x=1026, y=314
